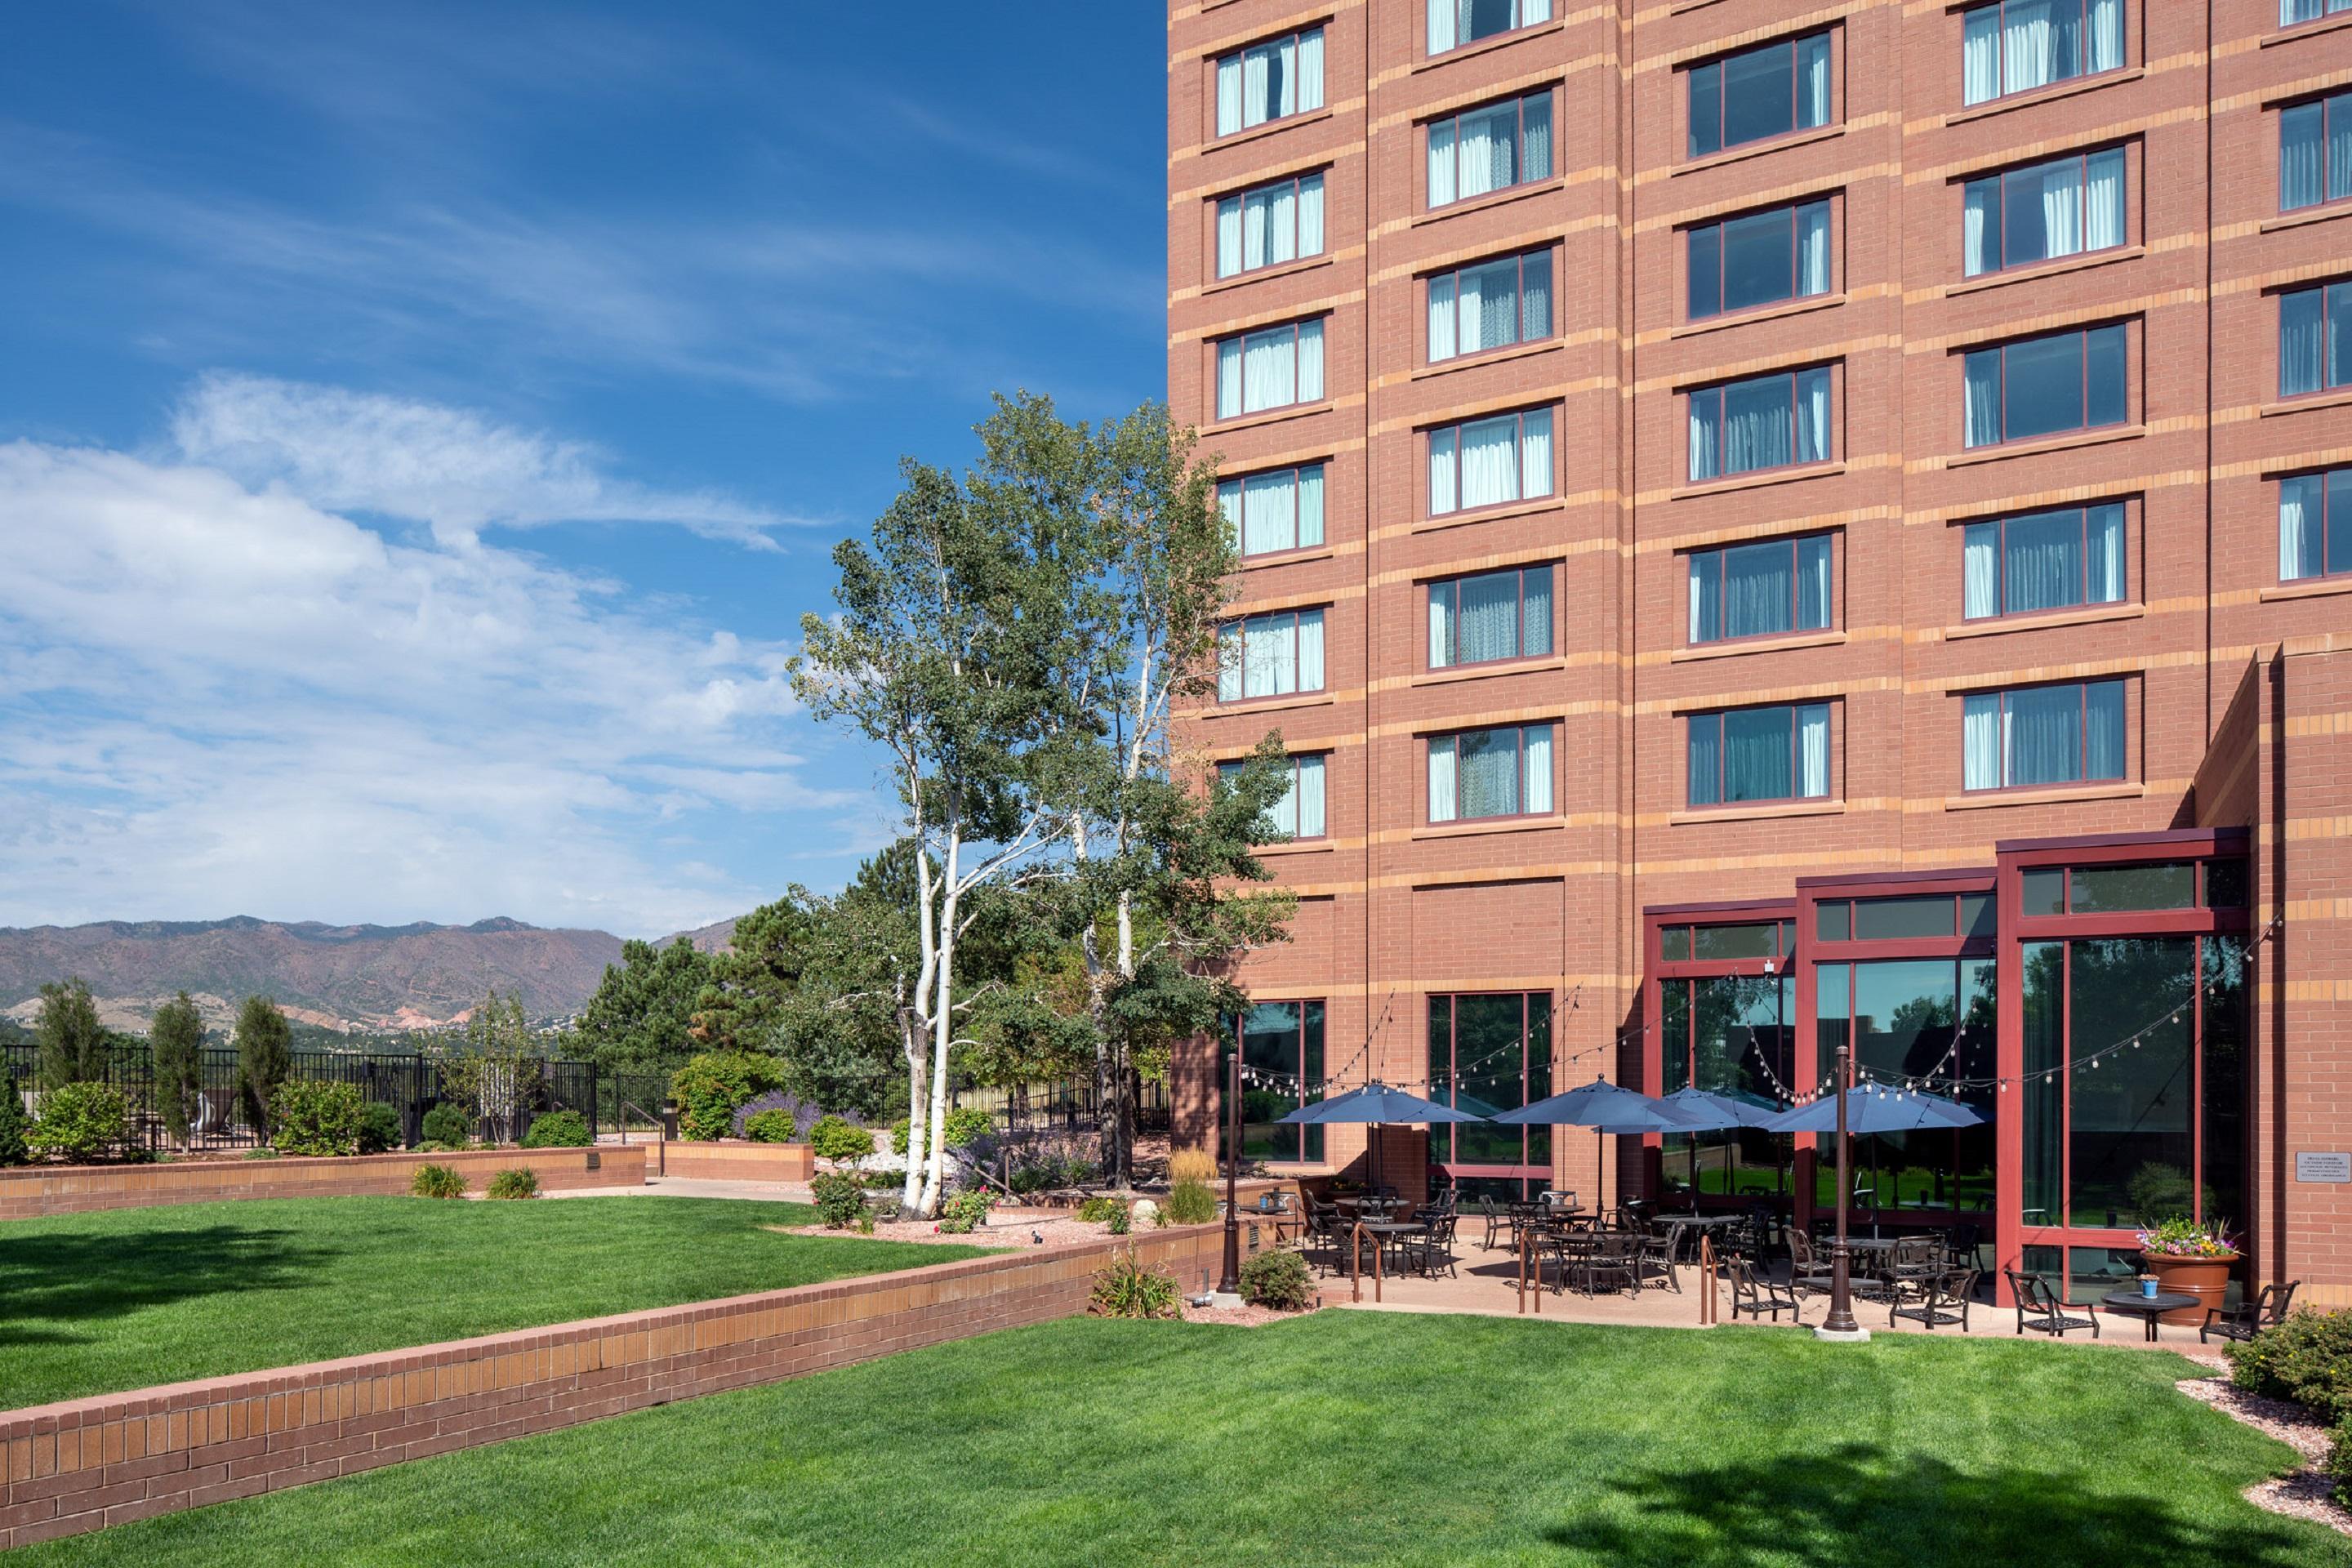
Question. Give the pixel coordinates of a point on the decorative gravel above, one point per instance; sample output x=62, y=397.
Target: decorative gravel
x=2304, y=1494
x=1006, y=1227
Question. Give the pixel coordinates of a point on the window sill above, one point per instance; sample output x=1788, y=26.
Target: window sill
x=1985, y=799
x=1760, y=812
x=1500, y=667
x=1758, y=481
x=1492, y=356
x=2317, y=213
x=2334, y=397
x=2082, y=263
x=1302, y=846
x=1261, y=274
x=1242, y=706
x=1755, y=645
x=2035, y=448
x=1491, y=199
x=1510, y=513
x=2040, y=94
x=2308, y=29
x=1270, y=127
x=2089, y=615
x=1761, y=313
x=1271, y=416
x=1746, y=150
x=1486, y=46
x=2315, y=588
x=1285, y=557
x=1491, y=825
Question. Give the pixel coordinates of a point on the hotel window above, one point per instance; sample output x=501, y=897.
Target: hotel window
x=2042, y=561
x=1488, y=1053
x=1766, y=422
x=1270, y=369
x=1489, y=462
x=1491, y=616
x=2043, y=212
x=1758, y=754
x=1299, y=812
x=2315, y=339
x=2316, y=525
x=1281, y=1045
x=1759, y=259
x=1275, y=511
x=1270, y=656
x=1270, y=225
x=2017, y=44
x=2293, y=11
x=1732, y=1034
x=2315, y=151
x=2043, y=386
x=1760, y=590
x=2033, y=735
x=1490, y=149
x=1490, y=773
x=1491, y=306
x=1760, y=92
x=1906, y=1019
x=1454, y=22
x=1266, y=81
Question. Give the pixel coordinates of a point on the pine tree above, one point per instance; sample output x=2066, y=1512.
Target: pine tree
x=12, y=1120
x=177, y=1040
x=264, y=1058
x=74, y=1044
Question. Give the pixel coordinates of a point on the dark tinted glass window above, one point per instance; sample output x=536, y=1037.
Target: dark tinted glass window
x=1897, y=919
x=1765, y=92
x=2098, y=890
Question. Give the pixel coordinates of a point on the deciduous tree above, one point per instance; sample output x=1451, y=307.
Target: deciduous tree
x=176, y=1038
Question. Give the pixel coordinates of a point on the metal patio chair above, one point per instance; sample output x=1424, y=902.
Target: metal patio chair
x=2243, y=1321
x=2039, y=1309
x=1759, y=1295
x=1938, y=1299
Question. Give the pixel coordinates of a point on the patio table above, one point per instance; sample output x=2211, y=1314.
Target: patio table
x=1386, y=1231
x=2148, y=1309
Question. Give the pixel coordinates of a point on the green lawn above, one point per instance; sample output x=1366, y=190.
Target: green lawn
x=1341, y=1439
x=99, y=1303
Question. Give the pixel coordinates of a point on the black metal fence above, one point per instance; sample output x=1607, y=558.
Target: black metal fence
x=411, y=1085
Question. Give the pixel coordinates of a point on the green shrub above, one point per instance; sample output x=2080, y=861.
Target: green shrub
x=518, y=1183
x=967, y=1209
x=1121, y=1219
x=834, y=1139
x=379, y=1128
x=2308, y=1358
x=80, y=1122
x=840, y=1198
x=1190, y=1203
x=967, y=1126
x=1097, y=1209
x=559, y=1130
x=769, y=1127
x=900, y=1131
x=447, y=1126
x=14, y=1122
x=882, y=1180
x=1278, y=1279
x=436, y=1182
x=709, y=1087
x=1124, y=1288
x=2338, y=1466
x=307, y=1116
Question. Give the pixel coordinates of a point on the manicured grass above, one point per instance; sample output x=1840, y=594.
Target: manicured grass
x=1340, y=1438
x=101, y=1302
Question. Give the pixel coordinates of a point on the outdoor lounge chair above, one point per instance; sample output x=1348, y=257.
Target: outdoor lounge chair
x=1935, y=1299
x=1757, y=1294
x=2039, y=1308
x=2247, y=1318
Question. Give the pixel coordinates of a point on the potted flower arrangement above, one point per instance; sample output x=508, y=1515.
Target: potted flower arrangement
x=2191, y=1259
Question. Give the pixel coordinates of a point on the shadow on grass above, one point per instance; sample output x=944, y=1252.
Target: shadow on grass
x=1853, y=1507
x=63, y=1280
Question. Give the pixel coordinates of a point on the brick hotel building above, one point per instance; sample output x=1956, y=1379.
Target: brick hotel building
x=1770, y=525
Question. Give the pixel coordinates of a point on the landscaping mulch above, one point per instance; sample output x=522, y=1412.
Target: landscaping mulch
x=1241, y=1317
x=1006, y=1227
x=2306, y=1494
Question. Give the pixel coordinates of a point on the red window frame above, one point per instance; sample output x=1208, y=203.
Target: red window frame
x=1453, y=586
x=1293, y=38
x=1796, y=767
x=2328, y=369
x=2082, y=60
x=1720, y=390
x=2081, y=734
x=2328, y=104
x=1796, y=260
x=1529, y=1092
x=1216, y=348
x=1518, y=141
x=1658, y=972
x=1241, y=521
x=2082, y=161
x=1233, y=765
x=1720, y=554
x=1518, y=303
x=2083, y=337
x=1519, y=741
x=1519, y=456
x=1243, y=197
x=2328, y=567
x=1518, y=8
x=1244, y=622
x=1716, y=63
x=1233, y=1042
x=2000, y=555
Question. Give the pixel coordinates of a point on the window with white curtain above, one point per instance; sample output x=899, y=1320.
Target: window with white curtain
x=2031, y=735
x=1489, y=462
x=1740, y=754
x=1270, y=225
x=2042, y=561
x=1489, y=616
x=2315, y=151
x=1299, y=812
x=2045, y=385
x=1763, y=422
x=1768, y=90
x=1270, y=369
x=2016, y=46
x=2315, y=339
x=1490, y=773
x=1490, y=149
x=1270, y=656
x=1490, y=306
x=1758, y=260
x=1770, y=589
x=2043, y=211
x=1277, y=510
x=1266, y=81
x=2316, y=525
x=1454, y=22
x=2293, y=11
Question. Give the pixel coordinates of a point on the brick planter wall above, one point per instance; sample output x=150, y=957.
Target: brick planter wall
x=82, y=1464
x=37, y=1190
x=732, y=1161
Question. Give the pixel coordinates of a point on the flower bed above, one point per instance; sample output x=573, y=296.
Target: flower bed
x=29, y=1191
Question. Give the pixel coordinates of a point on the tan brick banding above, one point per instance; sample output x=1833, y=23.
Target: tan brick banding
x=730, y=1161
x=83, y=1464
x=34, y=1191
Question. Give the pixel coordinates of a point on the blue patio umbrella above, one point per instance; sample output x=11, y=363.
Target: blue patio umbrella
x=1605, y=1107
x=1374, y=1104
x=1716, y=1113
x=1869, y=1111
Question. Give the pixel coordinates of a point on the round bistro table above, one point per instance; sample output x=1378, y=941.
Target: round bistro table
x=2132, y=1304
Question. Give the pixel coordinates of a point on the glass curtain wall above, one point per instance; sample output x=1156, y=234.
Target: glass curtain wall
x=1925, y=1021
x=1283, y=1040
x=1733, y=1035
x=1488, y=1053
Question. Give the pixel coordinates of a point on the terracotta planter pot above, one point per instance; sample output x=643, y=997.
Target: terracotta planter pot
x=2207, y=1278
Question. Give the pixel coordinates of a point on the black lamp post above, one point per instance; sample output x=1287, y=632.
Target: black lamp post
x=1231, y=1284
x=1840, y=1321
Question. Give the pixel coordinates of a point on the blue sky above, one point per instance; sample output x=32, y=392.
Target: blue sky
x=422, y=426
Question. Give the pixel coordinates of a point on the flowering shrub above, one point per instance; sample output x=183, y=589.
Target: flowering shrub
x=769, y=1127
x=968, y=1208
x=840, y=1198
x=1124, y=1288
x=709, y=1089
x=2186, y=1238
x=2307, y=1358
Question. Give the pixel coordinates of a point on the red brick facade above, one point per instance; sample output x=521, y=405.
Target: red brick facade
x=35, y=1190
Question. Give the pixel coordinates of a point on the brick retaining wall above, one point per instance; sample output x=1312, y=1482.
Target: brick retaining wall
x=37, y=1190
x=729, y=1160
x=82, y=1464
